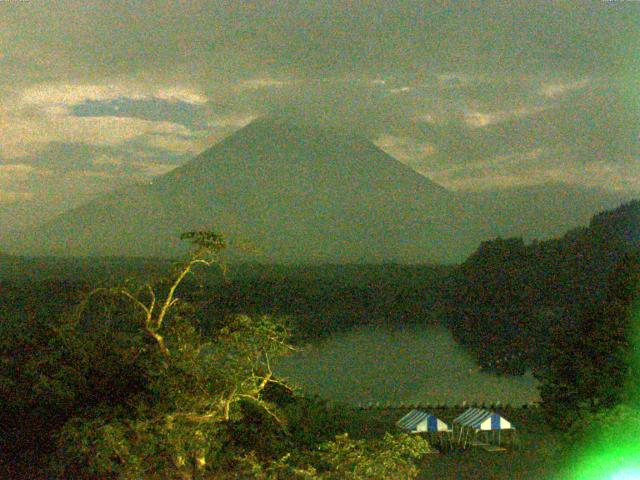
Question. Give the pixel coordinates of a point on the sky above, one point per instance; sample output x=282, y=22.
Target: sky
x=476, y=95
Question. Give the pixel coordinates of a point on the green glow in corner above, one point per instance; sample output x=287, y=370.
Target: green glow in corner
x=614, y=451
x=626, y=474
x=619, y=462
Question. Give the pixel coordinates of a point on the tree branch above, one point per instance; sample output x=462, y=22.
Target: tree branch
x=168, y=302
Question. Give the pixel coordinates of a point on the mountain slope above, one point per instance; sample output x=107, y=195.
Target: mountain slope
x=538, y=211
x=286, y=192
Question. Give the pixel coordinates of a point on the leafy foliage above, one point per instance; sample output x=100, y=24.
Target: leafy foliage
x=209, y=241
x=132, y=385
x=344, y=458
x=391, y=457
x=141, y=392
x=138, y=388
x=605, y=427
x=589, y=365
x=504, y=300
x=90, y=387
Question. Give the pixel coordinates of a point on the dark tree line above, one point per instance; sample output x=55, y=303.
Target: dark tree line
x=589, y=365
x=563, y=308
x=506, y=298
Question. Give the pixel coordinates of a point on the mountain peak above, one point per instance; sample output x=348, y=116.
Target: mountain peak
x=281, y=140
x=293, y=190
x=288, y=132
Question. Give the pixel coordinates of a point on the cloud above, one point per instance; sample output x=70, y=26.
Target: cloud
x=405, y=149
x=67, y=94
x=26, y=129
x=16, y=180
x=15, y=169
x=105, y=130
x=19, y=174
x=558, y=89
x=175, y=94
x=265, y=82
x=217, y=38
x=482, y=119
x=152, y=169
x=176, y=119
x=122, y=162
x=456, y=79
x=175, y=143
x=106, y=160
x=12, y=197
x=84, y=174
x=400, y=90
x=536, y=167
x=236, y=121
x=191, y=116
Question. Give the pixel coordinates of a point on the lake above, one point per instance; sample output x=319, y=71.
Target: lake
x=416, y=365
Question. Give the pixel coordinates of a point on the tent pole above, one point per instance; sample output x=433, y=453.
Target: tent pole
x=467, y=438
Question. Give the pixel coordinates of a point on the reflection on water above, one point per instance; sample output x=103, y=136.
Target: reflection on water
x=415, y=365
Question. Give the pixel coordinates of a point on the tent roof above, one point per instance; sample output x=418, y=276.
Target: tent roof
x=480, y=419
x=419, y=421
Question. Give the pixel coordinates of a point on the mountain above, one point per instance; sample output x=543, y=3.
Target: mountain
x=280, y=192
x=538, y=211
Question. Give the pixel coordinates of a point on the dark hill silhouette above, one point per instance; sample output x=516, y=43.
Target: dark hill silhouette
x=505, y=299
x=287, y=192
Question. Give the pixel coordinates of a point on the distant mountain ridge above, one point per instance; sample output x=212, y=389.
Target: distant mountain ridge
x=288, y=192
x=539, y=212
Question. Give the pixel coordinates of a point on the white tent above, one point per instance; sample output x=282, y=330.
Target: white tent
x=476, y=420
x=417, y=421
x=479, y=419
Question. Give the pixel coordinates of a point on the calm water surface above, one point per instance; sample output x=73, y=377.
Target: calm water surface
x=413, y=365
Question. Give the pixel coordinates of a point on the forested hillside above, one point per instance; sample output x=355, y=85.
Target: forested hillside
x=506, y=298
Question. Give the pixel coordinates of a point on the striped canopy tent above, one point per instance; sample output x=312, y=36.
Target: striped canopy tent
x=489, y=424
x=479, y=419
x=417, y=421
